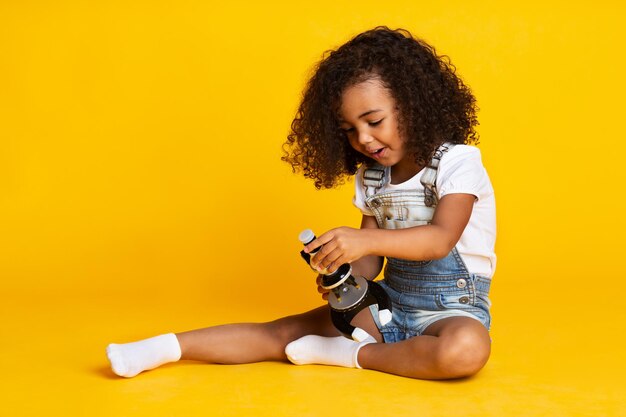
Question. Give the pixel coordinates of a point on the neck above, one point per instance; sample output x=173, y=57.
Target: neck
x=403, y=171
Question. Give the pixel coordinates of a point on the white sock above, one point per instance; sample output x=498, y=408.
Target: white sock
x=129, y=359
x=337, y=351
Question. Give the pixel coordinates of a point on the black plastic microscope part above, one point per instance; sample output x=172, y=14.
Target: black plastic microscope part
x=341, y=319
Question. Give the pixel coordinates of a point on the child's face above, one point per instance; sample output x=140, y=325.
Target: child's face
x=368, y=117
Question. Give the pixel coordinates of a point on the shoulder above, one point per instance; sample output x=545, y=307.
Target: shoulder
x=460, y=153
x=359, y=171
x=358, y=177
x=462, y=170
x=462, y=158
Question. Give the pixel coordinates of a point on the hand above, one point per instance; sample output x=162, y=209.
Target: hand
x=320, y=289
x=339, y=246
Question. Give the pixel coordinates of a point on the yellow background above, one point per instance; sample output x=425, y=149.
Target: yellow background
x=142, y=192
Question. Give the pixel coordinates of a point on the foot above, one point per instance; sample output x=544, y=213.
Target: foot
x=129, y=359
x=337, y=351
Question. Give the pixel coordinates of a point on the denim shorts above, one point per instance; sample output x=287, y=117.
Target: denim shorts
x=418, y=303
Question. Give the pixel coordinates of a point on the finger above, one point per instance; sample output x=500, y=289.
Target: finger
x=337, y=263
x=332, y=261
x=324, y=292
x=320, y=257
x=318, y=281
x=321, y=240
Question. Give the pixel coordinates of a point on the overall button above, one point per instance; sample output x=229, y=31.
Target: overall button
x=464, y=300
x=461, y=283
x=376, y=202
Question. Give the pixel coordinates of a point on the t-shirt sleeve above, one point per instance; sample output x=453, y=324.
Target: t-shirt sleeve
x=359, y=193
x=462, y=171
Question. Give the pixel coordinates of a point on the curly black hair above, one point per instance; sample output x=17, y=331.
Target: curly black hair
x=433, y=104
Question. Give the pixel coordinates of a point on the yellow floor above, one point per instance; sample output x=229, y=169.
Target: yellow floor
x=130, y=130
x=53, y=363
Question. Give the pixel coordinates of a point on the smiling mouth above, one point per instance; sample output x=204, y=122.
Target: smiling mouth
x=377, y=152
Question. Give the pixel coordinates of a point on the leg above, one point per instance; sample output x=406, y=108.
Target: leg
x=228, y=344
x=450, y=348
x=339, y=350
x=253, y=342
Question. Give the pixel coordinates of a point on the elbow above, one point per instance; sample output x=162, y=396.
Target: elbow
x=442, y=250
x=439, y=254
x=444, y=241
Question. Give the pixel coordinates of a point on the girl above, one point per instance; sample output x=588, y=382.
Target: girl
x=387, y=108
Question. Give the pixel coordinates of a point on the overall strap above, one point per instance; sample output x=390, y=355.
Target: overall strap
x=373, y=179
x=429, y=177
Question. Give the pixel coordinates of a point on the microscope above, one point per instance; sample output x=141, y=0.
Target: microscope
x=349, y=294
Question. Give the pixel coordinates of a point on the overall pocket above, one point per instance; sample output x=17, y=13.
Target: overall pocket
x=458, y=300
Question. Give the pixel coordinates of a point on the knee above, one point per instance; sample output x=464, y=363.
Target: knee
x=287, y=329
x=463, y=354
x=284, y=330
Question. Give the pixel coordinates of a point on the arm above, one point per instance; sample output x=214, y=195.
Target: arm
x=369, y=266
x=431, y=241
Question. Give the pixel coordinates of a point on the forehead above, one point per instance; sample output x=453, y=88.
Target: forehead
x=363, y=97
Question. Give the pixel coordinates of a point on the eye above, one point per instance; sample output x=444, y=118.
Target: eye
x=376, y=123
x=347, y=130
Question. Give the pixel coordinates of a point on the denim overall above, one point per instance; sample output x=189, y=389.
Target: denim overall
x=422, y=292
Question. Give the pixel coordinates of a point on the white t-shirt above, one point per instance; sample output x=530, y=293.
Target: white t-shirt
x=460, y=171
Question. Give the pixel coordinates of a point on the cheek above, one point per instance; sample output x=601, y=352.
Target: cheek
x=353, y=143
x=393, y=136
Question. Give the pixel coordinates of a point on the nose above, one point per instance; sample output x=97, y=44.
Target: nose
x=364, y=138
